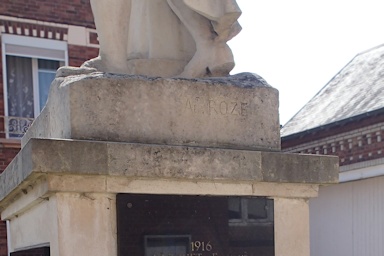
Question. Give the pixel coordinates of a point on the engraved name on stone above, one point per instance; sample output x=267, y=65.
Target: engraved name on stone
x=217, y=107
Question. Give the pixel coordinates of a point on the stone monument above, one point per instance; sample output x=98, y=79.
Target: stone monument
x=185, y=38
x=179, y=162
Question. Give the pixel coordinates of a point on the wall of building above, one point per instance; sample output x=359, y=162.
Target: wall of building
x=7, y=152
x=70, y=21
x=3, y=239
x=357, y=144
x=347, y=219
x=75, y=12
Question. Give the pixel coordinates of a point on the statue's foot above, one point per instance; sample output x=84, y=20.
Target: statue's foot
x=210, y=62
x=74, y=71
x=222, y=62
x=90, y=66
x=108, y=65
x=221, y=69
x=95, y=63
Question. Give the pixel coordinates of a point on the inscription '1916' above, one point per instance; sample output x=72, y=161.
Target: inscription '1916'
x=217, y=107
x=200, y=248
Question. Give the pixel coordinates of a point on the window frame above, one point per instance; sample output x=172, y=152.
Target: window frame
x=244, y=220
x=34, y=48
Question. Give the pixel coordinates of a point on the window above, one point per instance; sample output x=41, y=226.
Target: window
x=167, y=245
x=30, y=67
x=250, y=210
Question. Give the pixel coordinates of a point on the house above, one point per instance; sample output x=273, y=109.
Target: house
x=36, y=37
x=346, y=119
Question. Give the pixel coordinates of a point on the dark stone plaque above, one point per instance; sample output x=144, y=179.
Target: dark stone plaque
x=169, y=225
x=42, y=251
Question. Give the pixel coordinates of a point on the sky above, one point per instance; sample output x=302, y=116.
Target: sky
x=297, y=46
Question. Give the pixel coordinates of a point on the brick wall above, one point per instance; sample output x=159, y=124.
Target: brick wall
x=356, y=142
x=3, y=239
x=1, y=85
x=7, y=153
x=74, y=12
x=78, y=54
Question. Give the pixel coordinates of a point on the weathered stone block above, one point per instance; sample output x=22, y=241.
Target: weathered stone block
x=235, y=112
x=143, y=161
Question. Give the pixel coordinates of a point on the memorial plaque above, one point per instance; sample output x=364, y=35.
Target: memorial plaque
x=170, y=225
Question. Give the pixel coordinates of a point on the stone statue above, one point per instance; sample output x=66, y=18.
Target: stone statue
x=166, y=38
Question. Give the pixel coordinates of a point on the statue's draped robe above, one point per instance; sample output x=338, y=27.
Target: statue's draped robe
x=165, y=37
x=222, y=13
x=152, y=21
x=155, y=31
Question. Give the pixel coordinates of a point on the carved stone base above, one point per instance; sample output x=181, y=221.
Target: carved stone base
x=231, y=112
x=62, y=193
x=102, y=137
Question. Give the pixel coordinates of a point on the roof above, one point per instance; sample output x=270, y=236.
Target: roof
x=357, y=89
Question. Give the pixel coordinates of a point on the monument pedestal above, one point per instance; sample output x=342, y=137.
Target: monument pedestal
x=101, y=165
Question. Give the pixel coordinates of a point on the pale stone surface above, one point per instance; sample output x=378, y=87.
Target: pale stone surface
x=77, y=35
x=119, y=184
x=141, y=161
x=291, y=227
x=72, y=213
x=79, y=224
x=71, y=185
x=218, y=188
x=184, y=38
x=73, y=216
x=74, y=71
x=38, y=189
x=30, y=227
x=236, y=112
x=35, y=190
x=86, y=224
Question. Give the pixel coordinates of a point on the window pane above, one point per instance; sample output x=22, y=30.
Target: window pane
x=257, y=208
x=234, y=208
x=47, y=71
x=167, y=245
x=20, y=86
x=48, y=64
x=45, y=80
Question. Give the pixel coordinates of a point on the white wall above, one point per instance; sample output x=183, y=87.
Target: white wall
x=348, y=219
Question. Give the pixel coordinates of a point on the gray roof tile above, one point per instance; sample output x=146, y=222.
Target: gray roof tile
x=357, y=89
